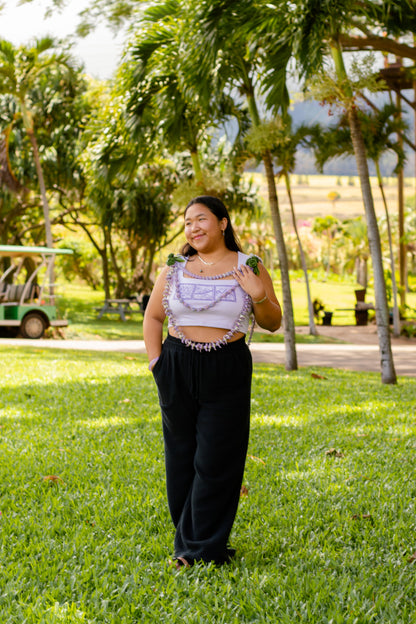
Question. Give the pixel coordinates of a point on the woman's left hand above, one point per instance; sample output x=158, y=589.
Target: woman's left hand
x=251, y=283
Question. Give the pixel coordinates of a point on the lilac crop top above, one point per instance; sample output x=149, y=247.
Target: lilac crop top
x=198, y=293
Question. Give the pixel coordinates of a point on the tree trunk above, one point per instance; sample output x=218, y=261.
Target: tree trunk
x=102, y=252
x=388, y=373
x=197, y=167
x=396, y=313
x=361, y=272
x=312, y=327
x=106, y=268
x=402, y=244
x=288, y=318
x=45, y=204
x=46, y=213
x=151, y=250
x=120, y=289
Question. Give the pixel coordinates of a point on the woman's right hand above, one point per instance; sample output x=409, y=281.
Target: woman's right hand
x=153, y=362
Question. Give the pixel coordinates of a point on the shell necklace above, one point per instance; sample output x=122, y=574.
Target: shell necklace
x=208, y=263
x=204, y=261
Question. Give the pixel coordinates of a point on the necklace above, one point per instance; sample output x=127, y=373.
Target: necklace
x=205, y=262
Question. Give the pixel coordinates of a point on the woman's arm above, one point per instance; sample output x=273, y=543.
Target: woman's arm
x=154, y=318
x=266, y=307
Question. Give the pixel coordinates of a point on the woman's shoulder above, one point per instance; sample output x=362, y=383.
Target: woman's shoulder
x=243, y=257
x=175, y=258
x=250, y=260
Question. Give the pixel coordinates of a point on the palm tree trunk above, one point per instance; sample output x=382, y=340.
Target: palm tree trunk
x=402, y=244
x=197, y=166
x=104, y=260
x=288, y=318
x=312, y=327
x=396, y=313
x=388, y=373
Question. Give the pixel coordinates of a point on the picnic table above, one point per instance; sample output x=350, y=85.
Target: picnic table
x=120, y=307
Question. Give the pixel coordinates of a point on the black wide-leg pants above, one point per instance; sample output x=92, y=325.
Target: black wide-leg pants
x=205, y=404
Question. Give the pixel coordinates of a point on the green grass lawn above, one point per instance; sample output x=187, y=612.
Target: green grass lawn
x=85, y=530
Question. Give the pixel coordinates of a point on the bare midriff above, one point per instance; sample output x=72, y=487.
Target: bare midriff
x=205, y=334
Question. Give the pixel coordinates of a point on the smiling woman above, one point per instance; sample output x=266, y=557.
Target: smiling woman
x=203, y=375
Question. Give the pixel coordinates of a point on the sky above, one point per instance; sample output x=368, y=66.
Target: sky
x=99, y=52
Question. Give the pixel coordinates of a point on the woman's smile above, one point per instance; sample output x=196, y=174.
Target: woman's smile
x=202, y=227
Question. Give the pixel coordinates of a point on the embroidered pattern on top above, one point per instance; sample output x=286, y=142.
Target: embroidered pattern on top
x=197, y=292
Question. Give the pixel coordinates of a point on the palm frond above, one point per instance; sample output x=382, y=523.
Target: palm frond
x=44, y=44
x=7, y=51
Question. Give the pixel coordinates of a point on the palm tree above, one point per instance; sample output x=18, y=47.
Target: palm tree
x=169, y=77
x=161, y=108
x=20, y=69
x=377, y=126
x=228, y=51
x=381, y=126
x=284, y=143
x=314, y=31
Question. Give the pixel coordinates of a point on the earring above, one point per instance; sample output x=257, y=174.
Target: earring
x=223, y=232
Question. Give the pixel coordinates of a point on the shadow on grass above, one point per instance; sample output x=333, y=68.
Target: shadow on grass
x=46, y=389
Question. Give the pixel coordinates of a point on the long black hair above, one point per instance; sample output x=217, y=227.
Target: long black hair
x=218, y=209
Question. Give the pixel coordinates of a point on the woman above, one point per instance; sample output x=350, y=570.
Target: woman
x=203, y=375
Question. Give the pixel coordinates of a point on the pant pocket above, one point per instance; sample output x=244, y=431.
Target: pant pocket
x=158, y=365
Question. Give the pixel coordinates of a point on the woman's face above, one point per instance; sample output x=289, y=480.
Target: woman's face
x=203, y=231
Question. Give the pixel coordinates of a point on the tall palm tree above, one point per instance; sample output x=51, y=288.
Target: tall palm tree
x=284, y=143
x=285, y=155
x=20, y=68
x=228, y=50
x=314, y=30
x=377, y=126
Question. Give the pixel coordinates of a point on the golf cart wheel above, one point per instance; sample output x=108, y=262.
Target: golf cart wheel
x=33, y=326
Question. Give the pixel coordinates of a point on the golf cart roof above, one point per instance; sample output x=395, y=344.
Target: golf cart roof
x=21, y=251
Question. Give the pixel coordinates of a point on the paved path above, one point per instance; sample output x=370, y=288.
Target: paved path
x=358, y=357
x=347, y=356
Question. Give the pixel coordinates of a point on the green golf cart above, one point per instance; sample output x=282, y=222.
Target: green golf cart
x=27, y=304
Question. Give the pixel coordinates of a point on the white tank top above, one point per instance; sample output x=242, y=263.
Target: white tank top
x=199, y=293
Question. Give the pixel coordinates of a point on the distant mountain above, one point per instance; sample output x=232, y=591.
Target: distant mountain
x=311, y=112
